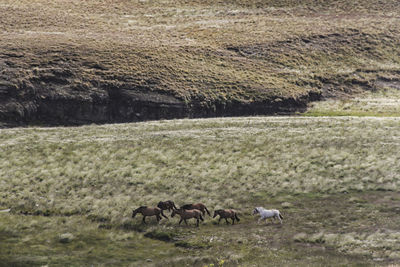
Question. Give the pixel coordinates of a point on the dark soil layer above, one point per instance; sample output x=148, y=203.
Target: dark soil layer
x=70, y=63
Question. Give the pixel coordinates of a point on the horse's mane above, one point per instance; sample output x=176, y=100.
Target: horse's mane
x=142, y=207
x=186, y=206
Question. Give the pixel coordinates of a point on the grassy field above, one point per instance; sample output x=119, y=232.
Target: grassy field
x=67, y=193
x=209, y=56
x=71, y=191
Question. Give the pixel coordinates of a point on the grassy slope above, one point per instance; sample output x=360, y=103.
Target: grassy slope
x=211, y=53
x=339, y=177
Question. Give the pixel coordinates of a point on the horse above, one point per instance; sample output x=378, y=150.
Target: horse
x=148, y=211
x=167, y=205
x=225, y=214
x=198, y=206
x=188, y=214
x=264, y=214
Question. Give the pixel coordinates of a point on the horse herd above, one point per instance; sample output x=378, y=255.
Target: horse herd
x=197, y=211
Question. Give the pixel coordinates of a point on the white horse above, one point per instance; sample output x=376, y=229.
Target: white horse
x=264, y=214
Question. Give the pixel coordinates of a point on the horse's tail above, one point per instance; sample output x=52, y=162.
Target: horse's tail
x=237, y=218
x=201, y=218
x=207, y=211
x=280, y=216
x=162, y=213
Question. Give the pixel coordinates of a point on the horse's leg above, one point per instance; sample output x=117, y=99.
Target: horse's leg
x=233, y=220
x=185, y=221
x=162, y=213
x=220, y=218
x=197, y=222
x=144, y=219
x=226, y=220
x=180, y=221
x=158, y=218
x=259, y=220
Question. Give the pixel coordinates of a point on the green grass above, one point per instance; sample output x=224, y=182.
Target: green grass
x=335, y=179
x=37, y=241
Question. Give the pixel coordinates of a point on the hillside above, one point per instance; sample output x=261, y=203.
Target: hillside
x=76, y=62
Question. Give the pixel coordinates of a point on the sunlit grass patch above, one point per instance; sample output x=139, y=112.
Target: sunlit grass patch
x=382, y=103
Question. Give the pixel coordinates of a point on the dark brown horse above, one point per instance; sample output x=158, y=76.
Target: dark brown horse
x=198, y=206
x=148, y=211
x=226, y=214
x=167, y=205
x=188, y=214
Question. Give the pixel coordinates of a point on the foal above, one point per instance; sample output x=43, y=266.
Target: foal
x=226, y=214
x=198, y=206
x=264, y=214
x=148, y=211
x=167, y=205
x=188, y=214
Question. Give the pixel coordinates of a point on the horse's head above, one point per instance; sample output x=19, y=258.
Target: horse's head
x=216, y=212
x=172, y=204
x=160, y=204
x=134, y=212
x=256, y=211
x=178, y=211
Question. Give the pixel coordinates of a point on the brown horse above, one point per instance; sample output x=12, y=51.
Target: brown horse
x=198, y=206
x=167, y=205
x=188, y=214
x=147, y=211
x=226, y=214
